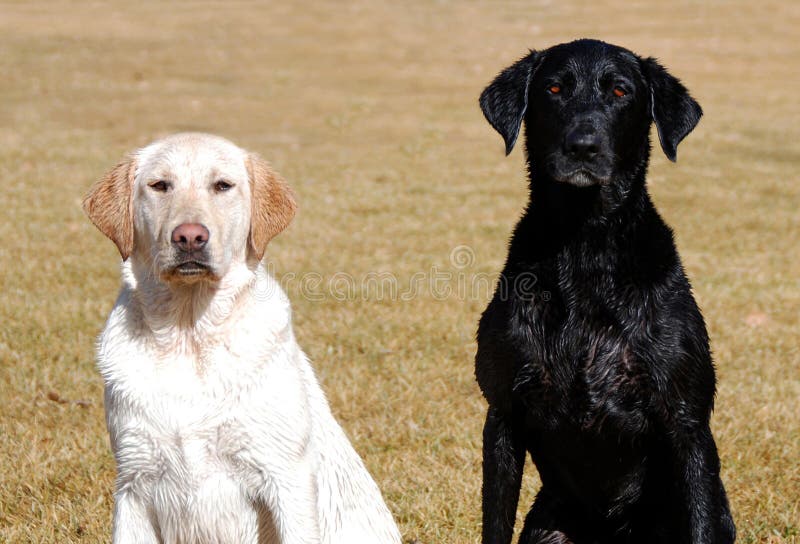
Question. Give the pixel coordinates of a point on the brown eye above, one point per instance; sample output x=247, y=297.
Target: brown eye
x=221, y=186
x=554, y=89
x=160, y=186
x=619, y=93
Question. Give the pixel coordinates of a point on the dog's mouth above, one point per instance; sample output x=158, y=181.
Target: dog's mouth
x=579, y=174
x=582, y=177
x=189, y=271
x=192, y=268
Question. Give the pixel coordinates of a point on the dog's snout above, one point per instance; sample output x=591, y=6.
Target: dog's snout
x=582, y=143
x=190, y=236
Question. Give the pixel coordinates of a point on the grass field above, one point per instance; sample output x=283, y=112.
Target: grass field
x=370, y=110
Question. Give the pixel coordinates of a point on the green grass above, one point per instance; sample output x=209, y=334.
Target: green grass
x=370, y=111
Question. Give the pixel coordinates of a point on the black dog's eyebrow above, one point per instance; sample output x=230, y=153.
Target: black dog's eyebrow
x=605, y=68
x=615, y=70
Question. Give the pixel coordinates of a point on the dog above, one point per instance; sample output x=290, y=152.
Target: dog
x=220, y=430
x=593, y=355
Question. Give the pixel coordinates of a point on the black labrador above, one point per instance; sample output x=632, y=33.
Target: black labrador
x=593, y=355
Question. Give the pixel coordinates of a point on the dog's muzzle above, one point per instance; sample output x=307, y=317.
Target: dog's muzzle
x=583, y=159
x=189, y=246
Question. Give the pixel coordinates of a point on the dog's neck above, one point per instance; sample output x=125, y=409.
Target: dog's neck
x=567, y=205
x=176, y=315
x=560, y=214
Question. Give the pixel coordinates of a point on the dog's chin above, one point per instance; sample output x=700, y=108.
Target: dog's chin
x=578, y=173
x=581, y=177
x=188, y=272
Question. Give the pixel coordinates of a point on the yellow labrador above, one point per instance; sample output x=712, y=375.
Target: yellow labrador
x=219, y=428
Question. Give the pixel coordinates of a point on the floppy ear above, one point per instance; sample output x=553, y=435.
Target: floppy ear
x=674, y=111
x=505, y=100
x=109, y=205
x=272, y=207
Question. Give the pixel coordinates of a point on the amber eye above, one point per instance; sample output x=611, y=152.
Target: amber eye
x=160, y=186
x=619, y=93
x=222, y=186
x=554, y=89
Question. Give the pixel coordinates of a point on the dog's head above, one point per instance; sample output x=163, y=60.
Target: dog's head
x=191, y=205
x=587, y=107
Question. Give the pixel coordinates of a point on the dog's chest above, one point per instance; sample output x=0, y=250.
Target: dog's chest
x=192, y=444
x=197, y=467
x=181, y=443
x=585, y=379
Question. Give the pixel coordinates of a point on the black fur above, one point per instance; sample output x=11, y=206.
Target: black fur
x=598, y=364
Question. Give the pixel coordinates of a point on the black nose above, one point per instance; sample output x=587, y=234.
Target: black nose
x=582, y=143
x=190, y=236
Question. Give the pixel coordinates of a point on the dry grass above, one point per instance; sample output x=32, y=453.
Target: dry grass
x=369, y=109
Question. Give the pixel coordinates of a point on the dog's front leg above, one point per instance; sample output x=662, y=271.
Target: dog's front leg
x=503, y=461
x=685, y=397
x=697, y=462
x=291, y=498
x=132, y=524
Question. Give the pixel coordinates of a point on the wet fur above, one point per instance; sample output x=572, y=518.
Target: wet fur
x=220, y=430
x=601, y=368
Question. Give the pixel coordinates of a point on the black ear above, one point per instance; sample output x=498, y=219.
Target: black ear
x=674, y=111
x=505, y=100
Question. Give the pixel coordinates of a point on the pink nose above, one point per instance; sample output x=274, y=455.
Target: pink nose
x=190, y=236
